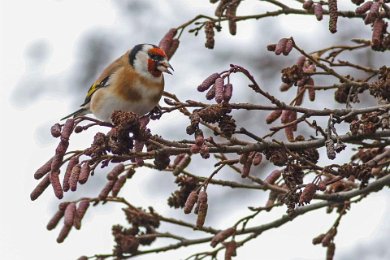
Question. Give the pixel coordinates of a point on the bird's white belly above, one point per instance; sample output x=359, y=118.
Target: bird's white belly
x=111, y=103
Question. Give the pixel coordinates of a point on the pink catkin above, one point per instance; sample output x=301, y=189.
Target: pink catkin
x=72, y=162
x=67, y=129
x=364, y=7
x=190, y=202
x=318, y=11
x=273, y=116
x=288, y=47
x=118, y=169
x=84, y=173
x=40, y=188
x=69, y=214
x=43, y=170
x=219, y=90
x=106, y=190
x=55, y=183
x=280, y=47
x=118, y=185
x=74, y=177
x=222, y=235
x=55, y=130
x=63, y=233
x=80, y=212
x=208, y=82
x=273, y=176
x=227, y=92
x=53, y=222
x=377, y=32
x=166, y=41
x=211, y=93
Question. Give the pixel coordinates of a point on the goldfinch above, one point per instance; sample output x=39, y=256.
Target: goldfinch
x=132, y=83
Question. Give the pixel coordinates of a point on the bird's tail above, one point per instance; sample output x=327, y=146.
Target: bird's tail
x=82, y=111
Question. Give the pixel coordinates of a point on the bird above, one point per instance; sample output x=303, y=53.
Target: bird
x=132, y=83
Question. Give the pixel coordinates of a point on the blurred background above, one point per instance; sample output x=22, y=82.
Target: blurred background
x=51, y=51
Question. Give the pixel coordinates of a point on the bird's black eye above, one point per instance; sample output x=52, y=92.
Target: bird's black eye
x=155, y=57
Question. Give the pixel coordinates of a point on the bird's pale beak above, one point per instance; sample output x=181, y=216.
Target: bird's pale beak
x=164, y=66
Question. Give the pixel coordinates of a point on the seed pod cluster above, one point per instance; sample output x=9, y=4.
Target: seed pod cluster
x=216, y=88
x=51, y=169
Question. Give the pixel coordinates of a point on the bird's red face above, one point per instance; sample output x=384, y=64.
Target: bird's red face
x=158, y=62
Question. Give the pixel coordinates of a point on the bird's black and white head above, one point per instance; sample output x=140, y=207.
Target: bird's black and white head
x=149, y=60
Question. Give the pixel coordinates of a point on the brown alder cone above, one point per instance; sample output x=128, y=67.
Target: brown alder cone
x=190, y=202
x=40, y=188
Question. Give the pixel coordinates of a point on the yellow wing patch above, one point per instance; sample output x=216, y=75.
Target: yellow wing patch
x=95, y=86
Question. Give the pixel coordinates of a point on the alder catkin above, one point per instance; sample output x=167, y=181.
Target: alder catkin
x=190, y=202
x=333, y=15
